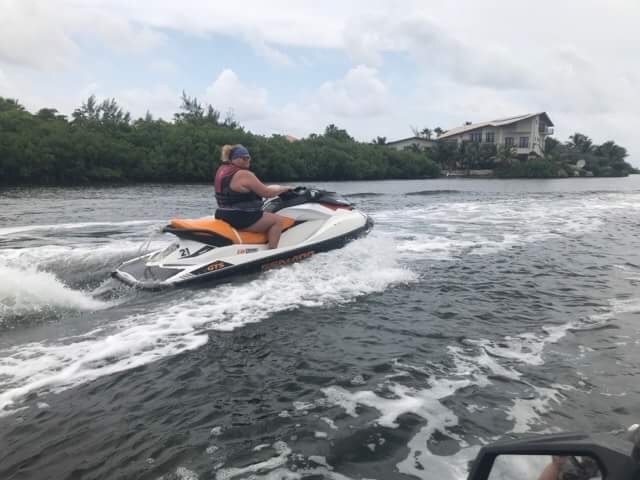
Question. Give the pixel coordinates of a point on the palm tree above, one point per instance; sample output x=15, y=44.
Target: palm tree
x=7, y=104
x=611, y=151
x=580, y=143
x=424, y=133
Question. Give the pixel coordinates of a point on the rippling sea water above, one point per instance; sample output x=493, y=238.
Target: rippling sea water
x=475, y=309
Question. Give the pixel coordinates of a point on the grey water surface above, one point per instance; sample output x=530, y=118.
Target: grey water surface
x=474, y=309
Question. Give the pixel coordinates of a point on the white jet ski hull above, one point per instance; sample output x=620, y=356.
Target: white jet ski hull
x=197, y=258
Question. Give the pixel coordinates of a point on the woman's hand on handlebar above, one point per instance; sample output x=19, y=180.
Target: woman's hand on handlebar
x=276, y=190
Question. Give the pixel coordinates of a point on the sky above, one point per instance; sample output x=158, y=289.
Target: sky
x=376, y=68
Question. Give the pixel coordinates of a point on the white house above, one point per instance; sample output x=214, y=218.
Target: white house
x=415, y=142
x=526, y=133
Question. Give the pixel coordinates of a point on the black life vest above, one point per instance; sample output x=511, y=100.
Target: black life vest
x=230, y=199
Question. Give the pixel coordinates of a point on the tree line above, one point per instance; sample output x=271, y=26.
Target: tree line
x=101, y=143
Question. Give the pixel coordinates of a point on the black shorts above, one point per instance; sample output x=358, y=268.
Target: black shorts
x=239, y=219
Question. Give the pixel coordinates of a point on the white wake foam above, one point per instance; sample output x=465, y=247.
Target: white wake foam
x=70, y=226
x=276, y=467
x=29, y=277
x=61, y=257
x=615, y=308
x=281, y=448
x=28, y=291
x=629, y=305
x=361, y=268
x=483, y=227
x=472, y=366
x=525, y=412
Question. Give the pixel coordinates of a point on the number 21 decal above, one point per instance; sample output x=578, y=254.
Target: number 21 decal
x=184, y=252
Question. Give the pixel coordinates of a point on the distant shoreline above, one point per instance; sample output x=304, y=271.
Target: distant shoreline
x=289, y=182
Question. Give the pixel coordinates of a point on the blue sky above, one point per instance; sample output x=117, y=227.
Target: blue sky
x=374, y=68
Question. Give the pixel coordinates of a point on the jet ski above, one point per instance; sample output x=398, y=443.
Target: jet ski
x=208, y=249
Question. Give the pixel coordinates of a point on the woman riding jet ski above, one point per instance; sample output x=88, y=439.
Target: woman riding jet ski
x=246, y=234
x=239, y=195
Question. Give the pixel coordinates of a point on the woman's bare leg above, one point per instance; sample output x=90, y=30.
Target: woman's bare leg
x=270, y=223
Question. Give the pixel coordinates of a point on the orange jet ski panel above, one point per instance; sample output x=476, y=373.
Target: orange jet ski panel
x=222, y=228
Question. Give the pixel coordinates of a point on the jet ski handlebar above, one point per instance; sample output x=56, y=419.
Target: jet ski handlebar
x=289, y=194
x=298, y=192
x=301, y=194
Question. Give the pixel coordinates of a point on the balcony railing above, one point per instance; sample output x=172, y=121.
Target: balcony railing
x=546, y=130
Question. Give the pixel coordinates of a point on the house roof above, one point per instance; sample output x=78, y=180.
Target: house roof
x=501, y=122
x=415, y=139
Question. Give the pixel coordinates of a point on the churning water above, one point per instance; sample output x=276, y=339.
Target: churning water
x=474, y=309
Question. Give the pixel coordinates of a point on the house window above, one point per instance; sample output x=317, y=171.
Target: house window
x=490, y=137
x=476, y=137
x=508, y=141
x=524, y=142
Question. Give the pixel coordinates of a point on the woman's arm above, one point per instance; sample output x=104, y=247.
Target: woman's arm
x=247, y=181
x=552, y=470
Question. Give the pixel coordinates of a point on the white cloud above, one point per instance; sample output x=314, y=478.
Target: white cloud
x=436, y=50
x=269, y=53
x=43, y=35
x=360, y=93
x=574, y=83
x=160, y=100
x=29, y=36
x=123, y=36
x=359, y=101
x=364, y=38
x=228, y=94
x=573, y=59
x=278, y=22
x=357, y=97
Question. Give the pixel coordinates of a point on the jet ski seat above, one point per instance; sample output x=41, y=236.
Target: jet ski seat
x=222, y=229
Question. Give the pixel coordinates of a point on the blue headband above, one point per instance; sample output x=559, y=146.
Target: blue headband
x=238, y=152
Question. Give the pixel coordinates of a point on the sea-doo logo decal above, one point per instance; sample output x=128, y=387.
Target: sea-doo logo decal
x=242, y=251
x=287, y=261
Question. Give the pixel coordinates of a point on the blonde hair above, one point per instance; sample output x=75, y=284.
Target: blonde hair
x=225, y=156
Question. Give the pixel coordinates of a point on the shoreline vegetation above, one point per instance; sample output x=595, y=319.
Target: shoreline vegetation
x=101, y=144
